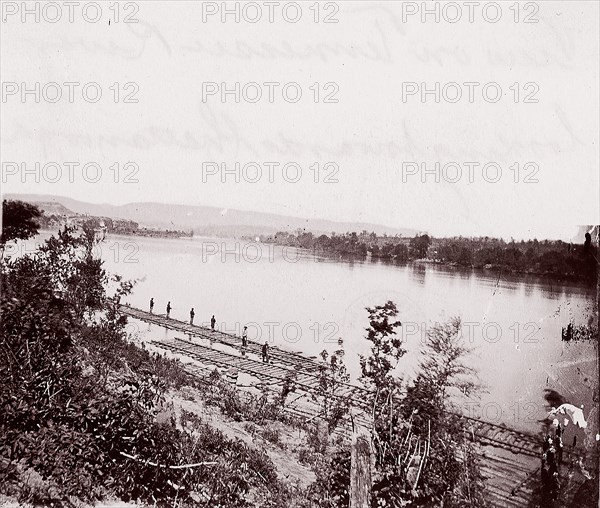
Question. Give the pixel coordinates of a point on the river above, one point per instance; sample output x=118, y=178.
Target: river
x=304, y=302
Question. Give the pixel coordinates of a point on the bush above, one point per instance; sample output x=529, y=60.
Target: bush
x=79, y=403
x=273, y=436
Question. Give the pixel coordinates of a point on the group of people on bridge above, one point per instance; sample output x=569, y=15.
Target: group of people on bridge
x=265, y=347
x=213, y=321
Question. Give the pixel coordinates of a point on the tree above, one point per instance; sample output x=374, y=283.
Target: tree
x=401, y=253
x=19, y=221
x=442, y=373
x=332, y=376
x=420, y=453
x=385, y=392
x=386, y=348
x=419, y=245
x=421, y=457
x=452, y=477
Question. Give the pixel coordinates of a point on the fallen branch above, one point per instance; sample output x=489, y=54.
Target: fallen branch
x=183, y=466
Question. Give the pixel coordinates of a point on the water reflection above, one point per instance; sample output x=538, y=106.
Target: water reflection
x=418, y=272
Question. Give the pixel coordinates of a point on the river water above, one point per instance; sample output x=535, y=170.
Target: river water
x=303, y=302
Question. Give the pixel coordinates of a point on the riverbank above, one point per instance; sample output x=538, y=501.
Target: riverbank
x=142, y=232
x=489, y=270
x=554, y=259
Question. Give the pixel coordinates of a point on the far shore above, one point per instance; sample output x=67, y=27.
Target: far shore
x=488, y=271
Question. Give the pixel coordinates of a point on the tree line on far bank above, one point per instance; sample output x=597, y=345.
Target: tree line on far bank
x=551, y=258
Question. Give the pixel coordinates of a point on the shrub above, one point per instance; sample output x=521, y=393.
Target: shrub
x=79, y=403
x=273, y=436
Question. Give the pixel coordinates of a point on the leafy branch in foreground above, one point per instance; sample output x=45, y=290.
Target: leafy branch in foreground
x=20, y=221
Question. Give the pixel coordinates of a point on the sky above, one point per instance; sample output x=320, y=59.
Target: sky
x=505, y=144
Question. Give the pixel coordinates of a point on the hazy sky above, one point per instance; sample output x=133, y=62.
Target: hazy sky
x=375, y=139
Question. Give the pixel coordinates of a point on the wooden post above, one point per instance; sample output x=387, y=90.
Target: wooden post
x=360, y=469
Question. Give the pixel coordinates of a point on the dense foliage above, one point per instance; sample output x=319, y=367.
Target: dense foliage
x=82, y=410
x=19, y=221
x=332, y=377
x=552, y=258
x=558, y=259
x=451, y=476
x=421, y=455
x=356, y=245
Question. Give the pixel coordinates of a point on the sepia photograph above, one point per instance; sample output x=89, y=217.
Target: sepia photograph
x=299, y=254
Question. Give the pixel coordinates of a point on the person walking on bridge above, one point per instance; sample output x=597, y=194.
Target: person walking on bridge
x=168, y=310
x=192, y=314
x=151, y=305
x=245, y=337
x=212, y=322
x=265, y=352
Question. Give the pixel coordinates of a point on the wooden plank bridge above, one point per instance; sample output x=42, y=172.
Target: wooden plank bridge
x=258, y=369
x=285, y=363
x=509, y=476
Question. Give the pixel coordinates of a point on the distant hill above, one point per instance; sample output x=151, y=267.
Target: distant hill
x=205, y=220
x=54, y=208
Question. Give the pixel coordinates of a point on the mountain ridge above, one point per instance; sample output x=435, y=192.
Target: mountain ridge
x=207, y=219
